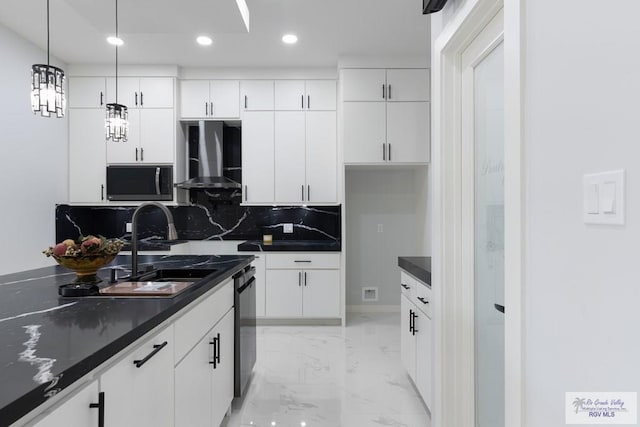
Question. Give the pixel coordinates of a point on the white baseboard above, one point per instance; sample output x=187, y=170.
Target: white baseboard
x=370, y=308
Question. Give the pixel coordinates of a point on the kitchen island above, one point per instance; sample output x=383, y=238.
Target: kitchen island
x=49, y=342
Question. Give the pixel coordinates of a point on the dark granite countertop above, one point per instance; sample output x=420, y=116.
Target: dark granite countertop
x=291, y=245
x=419, y=266
x=48, y=342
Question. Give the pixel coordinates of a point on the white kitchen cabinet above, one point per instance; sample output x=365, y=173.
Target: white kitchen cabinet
x=385, y=116
x=204, y=378
x=416, y=334
x=75, y=411
x=305, y=157
x=212, y=99
x=257, y=95
x=139, y=388
x=87, y=155
x=258, y=172
x=302, y=285
x=312, y=95
x=141, y=92
x=151, y=138
x=87, y=92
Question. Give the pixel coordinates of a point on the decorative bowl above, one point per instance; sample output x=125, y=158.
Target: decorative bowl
x=85, y=266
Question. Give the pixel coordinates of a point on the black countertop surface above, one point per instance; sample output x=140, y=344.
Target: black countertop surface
x=48, y=342
x=419, y=266
x=291, y=245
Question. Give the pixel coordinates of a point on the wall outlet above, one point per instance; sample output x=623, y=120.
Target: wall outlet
x=127, y=227
x=380, y=228
x=369, y=294
x=287, y=228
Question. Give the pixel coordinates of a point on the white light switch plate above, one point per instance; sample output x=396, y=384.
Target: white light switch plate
x=604, y=196
x=287, y=228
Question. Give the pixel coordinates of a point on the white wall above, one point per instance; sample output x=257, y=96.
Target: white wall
x=582, y=282
x=396, y=199
x=33, y=161
x=581, y=114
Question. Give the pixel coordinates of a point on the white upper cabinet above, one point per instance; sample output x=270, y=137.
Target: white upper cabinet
x=407, y=85
x=290, y=157
x=363, y=84
x=321, y=157
x=296, y=95
x=209, y=99
x=87, y=92
x=257, y=95
x=151, y=138
x=87, y=155
x=258, y=157
x=364, y=130
x=407, y=132
x=141, y=92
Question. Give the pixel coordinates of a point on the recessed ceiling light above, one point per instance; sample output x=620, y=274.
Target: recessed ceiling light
x=204, y=40
x=290, y=38
x=116, y=41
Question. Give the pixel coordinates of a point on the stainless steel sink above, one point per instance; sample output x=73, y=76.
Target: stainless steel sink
x=174, y=275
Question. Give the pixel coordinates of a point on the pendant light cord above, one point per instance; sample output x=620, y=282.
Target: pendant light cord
x=116, y=51
x=48, y=36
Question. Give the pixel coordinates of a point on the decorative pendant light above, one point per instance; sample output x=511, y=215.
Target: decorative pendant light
x=47, y=86
x=117, y=123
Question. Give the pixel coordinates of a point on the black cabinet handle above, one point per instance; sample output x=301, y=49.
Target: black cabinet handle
x=136, y=154
x=302, y=101
x=245, y=101
x=389, y=92
x=405, y=286
x=214, y=362
x=206, y=108
x=136, y=97
x=308, y=101
x=211, y=108
x=305, y=278
x=100, y=407
x=389, y=152
x=141, y=154
x=218, y=348
x=308, y=193
x=383, y=92
x=141, y=99
x=414, y=323
x=246, y=193
x=384, y=151
x=410, y=320
x=423, y=300
x=302, y=192
x=102, y=192
x=499, y=307
x=299, y=278
x=302, y=260
x=101, y=98
x=156, y=349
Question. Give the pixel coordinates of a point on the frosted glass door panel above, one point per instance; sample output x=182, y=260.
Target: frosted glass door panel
x=489, y=237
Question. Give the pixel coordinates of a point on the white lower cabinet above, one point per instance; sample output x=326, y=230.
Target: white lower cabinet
x=416, y=335
x=138, y=390
x=296, y=292
x=75, y=412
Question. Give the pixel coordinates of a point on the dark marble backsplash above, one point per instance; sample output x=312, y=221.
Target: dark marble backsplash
x=202, y=222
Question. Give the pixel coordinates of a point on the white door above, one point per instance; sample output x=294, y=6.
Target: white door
x=483, y=190
x=157, y=135
x=87, y=155
x=224, y=98
x=321, y=95
x=128, y=91
x=290, y=156
x=126, y=151
x=408, y=132
x=87, y=92
x=194, y=98
x=156, y=92
x=364, y=132
x=407, y=85
x=290, y=95
x=75, y=412
x=256, y=95
x=284, y=293
x=194, y=386
x=258, y=156
x=321, y=293
x=363, y=85
x=407, y=339
x=321, y=157
x=141, y=396
x=222, y=378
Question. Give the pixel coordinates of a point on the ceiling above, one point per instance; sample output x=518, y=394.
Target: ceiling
x=164, y=31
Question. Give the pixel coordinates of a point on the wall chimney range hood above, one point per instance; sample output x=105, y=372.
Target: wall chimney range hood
x=214, y=156
x=432, y=6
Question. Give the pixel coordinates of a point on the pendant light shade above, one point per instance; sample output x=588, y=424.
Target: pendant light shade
x=117, y=116
x=47, y=86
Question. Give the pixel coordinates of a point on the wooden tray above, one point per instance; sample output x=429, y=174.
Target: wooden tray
x=145, y=288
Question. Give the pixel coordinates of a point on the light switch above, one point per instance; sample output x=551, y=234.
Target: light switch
x=604, y=195
x=287, y=228
x=609, y=197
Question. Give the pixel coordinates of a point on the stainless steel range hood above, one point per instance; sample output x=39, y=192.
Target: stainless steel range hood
x=210, y=173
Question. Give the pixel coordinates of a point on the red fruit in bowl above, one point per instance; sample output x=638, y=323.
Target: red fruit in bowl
x=90, y=245
x=60, y=249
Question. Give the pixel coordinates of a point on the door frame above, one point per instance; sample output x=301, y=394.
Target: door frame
x=454, y=357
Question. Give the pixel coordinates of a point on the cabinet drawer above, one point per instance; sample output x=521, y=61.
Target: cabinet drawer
x=423, y=298
x=303, y=261
x=408, y=285
x=191, y=327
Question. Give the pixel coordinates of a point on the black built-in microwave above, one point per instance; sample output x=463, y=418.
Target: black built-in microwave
x=140, y=182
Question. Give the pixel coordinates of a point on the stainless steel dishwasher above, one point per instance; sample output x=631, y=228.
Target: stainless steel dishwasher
x=245, y=328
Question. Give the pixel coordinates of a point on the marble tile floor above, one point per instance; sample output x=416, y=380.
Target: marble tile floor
x=329, y=376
